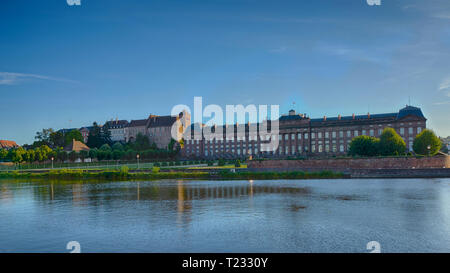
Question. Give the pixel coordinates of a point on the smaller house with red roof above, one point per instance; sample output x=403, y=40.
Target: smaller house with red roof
x=8, y=144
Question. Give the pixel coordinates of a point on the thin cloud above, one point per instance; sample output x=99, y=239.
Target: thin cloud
x=445, y=85
x=280, y=49
x=442, y=103
x=11, y=78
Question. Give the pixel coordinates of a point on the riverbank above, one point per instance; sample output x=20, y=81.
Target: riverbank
x=151, y=175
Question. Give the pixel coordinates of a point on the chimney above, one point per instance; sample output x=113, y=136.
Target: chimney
x=353, y=115
x=368, y=115
x=324, y=118
x=339, y=117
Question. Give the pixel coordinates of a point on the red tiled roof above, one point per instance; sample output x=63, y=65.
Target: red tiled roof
x=8, y=144
x=76, y=146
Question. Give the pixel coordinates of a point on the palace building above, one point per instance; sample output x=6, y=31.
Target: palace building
x=301, y=136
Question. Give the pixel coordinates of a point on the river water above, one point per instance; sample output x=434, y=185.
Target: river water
x=402, y=215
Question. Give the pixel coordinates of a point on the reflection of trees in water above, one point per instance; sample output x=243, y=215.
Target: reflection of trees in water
x=6, y=195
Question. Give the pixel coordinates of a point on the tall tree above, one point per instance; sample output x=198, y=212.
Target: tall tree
x=427, y=143
x=391, y=143
x=70, y=136
x=44, y=136
x=57, y=139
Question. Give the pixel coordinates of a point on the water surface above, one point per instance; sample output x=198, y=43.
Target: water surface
x=403, y=215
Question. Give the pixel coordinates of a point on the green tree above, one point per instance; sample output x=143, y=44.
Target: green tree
x=43, y=137
x=364, y=146
x=105, y=148
x=98, y=136
x=117, y=154
x=391, y=143
x=142, y=142
x=42, y=153
x=93, y=153
x=62, y=155
x=29, y=156
x=84, y=154
x=70, y=136
x=17, y=155
x=117, y=146
x=237, y=164
x=3, y=154
x=73, y=156
x=57, y=139
x=426, y=139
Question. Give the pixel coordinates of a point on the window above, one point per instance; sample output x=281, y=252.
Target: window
x=327, y=148
x=349, y=134
x=410, y=146
x=334, y=148
x=319, y=135
x=292, y=136
x=410, y=130
x=286, y=150
x=293, y=149
x=380, y=131
x=372, y=133
x=402, y=131
x=356, y=133
x=306, y=136
x=333, y=134
x=299, y=136
x=363, y=132
x=299, y=149
x=419, y=130
x=341, y=134
x=320, y=148
x=313, y=135
x=341, y=148
x=313, y=148
x=286, y=136
x=327, y=135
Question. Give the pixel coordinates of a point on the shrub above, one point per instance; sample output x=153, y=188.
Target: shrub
x=124, y=170
x=155, y=170
x=237, y=164
x=221, y=162
x=210, y=163
x=363, y=146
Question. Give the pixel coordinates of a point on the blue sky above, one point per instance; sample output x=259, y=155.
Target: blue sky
x=67, y=66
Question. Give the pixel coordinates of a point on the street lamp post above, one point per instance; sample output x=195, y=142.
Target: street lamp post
x=428, y=148
x=137, y=156
x=52, y=161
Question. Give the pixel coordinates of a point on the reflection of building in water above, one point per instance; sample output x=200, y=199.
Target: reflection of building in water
x=6, y=194
x=77, y=194
x=183, y=205
x=237, y=191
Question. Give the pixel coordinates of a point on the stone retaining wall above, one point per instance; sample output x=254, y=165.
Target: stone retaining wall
x=340, y=164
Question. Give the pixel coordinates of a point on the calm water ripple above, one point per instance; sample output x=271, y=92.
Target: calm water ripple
x=403, y=215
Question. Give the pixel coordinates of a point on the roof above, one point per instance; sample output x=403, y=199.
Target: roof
x=65, y=131
x=357, y=117
x=410, y=110
x=116, y=123
x=76, y=146
x=138, y=123
x=162, y=121
x=6, y=144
